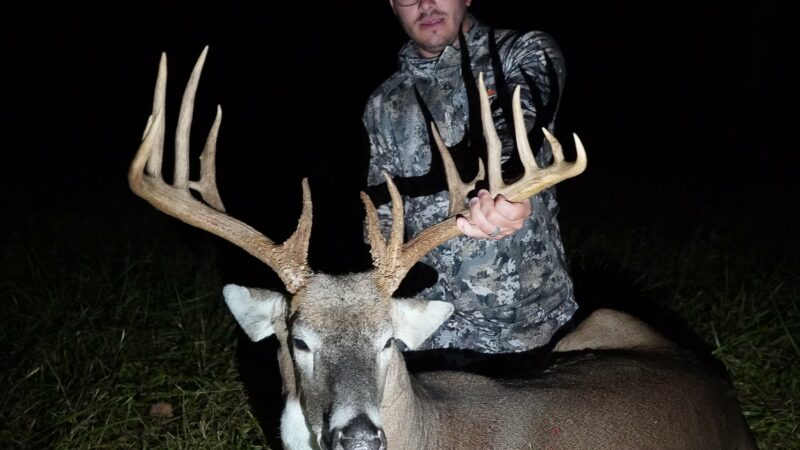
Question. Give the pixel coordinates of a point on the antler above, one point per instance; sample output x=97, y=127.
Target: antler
x=288, y=260
x=392, y=260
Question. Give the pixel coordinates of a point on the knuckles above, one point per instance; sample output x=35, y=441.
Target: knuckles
x=488, y=213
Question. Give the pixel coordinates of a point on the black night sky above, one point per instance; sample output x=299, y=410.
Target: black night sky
x=684, y=110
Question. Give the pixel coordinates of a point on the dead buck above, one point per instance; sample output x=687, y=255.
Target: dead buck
x=615, y=384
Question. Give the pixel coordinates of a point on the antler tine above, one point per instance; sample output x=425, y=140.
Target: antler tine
x=392, y=267
x=207, y=186
x=493, y=144
x=159, y=100
x=386, y=256
x=521, y=133
x=458, y=189
x=536, y=179
x=394, y=260
x=288, y=260
x=181, y=179
x=146, y=164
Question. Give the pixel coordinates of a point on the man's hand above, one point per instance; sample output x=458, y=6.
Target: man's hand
x=493, y=218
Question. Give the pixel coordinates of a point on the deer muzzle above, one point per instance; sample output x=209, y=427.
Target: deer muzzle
x=359, y=434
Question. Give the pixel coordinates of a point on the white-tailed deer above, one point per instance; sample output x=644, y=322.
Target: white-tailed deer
x=614, y=383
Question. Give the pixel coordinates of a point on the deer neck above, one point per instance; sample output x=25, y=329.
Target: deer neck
x=404, y=412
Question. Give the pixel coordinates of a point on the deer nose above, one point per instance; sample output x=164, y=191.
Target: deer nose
x=359, y=434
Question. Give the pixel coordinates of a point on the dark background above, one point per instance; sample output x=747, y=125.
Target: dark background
x=687, y=110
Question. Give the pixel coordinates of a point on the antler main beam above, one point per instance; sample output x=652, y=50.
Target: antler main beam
x=393, y=260
x=288, y=260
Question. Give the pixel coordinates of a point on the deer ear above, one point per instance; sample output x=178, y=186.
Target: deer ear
x=415, y=320
x=256, y=310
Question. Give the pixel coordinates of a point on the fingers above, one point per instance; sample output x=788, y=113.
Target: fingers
x=494, y=218
x=510, y=211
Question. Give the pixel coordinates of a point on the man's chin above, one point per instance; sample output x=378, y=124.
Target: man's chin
x=432, y=43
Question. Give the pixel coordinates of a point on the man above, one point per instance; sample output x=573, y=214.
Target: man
x=507, y=276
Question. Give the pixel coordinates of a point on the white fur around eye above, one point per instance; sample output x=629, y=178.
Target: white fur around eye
x=304, y=362
x=304, y=359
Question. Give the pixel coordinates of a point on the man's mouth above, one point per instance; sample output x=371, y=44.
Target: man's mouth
x=431, y=21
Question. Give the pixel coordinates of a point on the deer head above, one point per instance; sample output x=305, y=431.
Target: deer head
x=336, y=332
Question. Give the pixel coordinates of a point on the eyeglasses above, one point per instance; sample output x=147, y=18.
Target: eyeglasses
x=406, y=2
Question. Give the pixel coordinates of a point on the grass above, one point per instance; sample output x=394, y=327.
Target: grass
x=102, y=318
x=106, y=320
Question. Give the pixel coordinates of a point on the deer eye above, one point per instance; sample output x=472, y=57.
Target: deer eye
x=389, y=343
x=300, y=344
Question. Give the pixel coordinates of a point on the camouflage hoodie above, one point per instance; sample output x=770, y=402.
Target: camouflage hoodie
x=512, y=294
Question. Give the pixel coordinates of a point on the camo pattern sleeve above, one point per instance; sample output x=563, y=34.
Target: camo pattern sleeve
x=512, y=294
x=532, y=61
